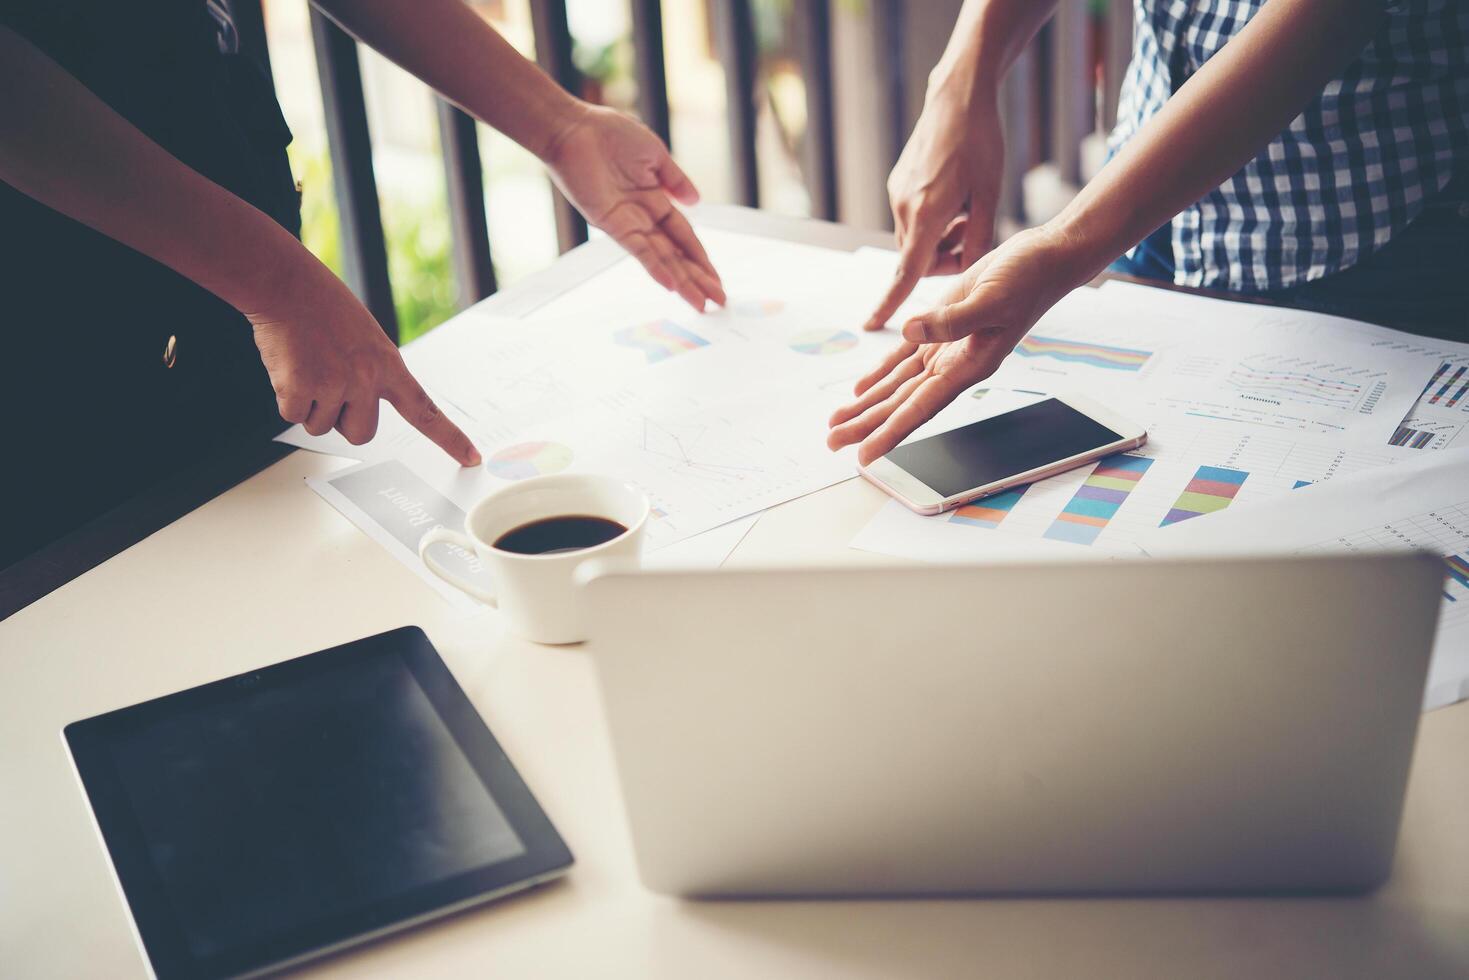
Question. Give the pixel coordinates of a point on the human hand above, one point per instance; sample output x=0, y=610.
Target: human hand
x=944, y=191
x=330, y=363
x=620, y=176
x=957, y=344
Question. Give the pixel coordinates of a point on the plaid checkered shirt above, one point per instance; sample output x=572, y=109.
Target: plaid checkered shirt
x=1346, y=175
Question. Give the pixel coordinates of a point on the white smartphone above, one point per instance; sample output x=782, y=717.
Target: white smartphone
x=952, y=468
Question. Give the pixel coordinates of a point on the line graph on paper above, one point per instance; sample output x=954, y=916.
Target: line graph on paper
x=1278, y=378
x=689, y=451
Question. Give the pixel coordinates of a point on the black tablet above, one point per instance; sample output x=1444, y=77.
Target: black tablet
x=276, y=816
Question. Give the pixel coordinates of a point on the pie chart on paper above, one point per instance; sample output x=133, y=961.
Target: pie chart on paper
x=819, y=343
x=524, y=460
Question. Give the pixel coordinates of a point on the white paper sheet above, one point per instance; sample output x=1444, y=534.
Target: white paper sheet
x=1294, y=376
x=1189, y=470
x=716, y=416
x=1439, y=417
x=1422, y=504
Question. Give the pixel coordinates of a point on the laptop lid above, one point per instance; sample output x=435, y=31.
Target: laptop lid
x=1238, y=725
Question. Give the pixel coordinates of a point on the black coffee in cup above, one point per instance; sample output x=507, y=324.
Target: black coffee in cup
x=554, y=535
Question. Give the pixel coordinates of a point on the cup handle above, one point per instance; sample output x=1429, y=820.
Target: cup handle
x=443, y=534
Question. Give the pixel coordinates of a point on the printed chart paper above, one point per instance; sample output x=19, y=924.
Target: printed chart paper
x=1294, y=377
x=1188, y=470
x=1437, y=419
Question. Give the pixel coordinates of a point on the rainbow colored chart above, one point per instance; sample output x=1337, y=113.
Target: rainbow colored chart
x=659, y=340
x=1452, y=380
x=1212, y=488
x=527, y=459
x=1459, y=572
x=754, y=308
x=990, y=511
x=1412, y=438
x=1097, y=500
x=1078, y=352
x=823, y=342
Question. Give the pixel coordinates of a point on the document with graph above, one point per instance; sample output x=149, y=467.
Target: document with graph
x=1190, y=468
x=1438, y=419
x=1285, y=378
x=716, y=415
x=1422, y=504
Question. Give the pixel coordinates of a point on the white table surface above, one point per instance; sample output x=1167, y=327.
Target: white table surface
x=269, y=571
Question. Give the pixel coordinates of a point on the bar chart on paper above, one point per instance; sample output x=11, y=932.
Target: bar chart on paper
x=1189, y=468
x=1083, y=352
x=659, y=340
x=1097, y=500
x=1456, y=589
x=1448, y=386
x=1212, y=488
x=990, y=511
x=1441, y=415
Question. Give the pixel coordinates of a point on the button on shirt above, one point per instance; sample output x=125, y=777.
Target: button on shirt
x=1346, y=175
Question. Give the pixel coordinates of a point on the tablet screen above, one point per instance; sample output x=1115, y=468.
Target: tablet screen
x=292, y=802
x=267, y=818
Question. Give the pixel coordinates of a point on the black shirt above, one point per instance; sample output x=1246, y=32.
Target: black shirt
x=94, y=412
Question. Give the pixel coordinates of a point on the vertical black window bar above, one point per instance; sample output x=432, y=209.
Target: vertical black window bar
x=734, y=30
x=647, y=45
x=813, y=39
x=553, y=53
x=364, y=252
x=473, y=269
x=887, y=16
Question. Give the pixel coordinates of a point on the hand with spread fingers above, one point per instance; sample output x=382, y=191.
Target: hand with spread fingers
x=956, y=345
x=621, y=177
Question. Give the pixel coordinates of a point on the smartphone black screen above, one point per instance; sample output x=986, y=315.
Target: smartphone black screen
x=999, y=447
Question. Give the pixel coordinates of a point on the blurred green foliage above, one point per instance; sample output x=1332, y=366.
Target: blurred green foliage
x=419, y=262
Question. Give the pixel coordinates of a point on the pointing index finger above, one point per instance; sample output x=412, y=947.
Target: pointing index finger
x=917, y=258
x=418, y=410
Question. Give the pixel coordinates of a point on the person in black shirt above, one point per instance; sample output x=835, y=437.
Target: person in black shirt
x=156, y=297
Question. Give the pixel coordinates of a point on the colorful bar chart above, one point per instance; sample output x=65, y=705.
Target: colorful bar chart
x=1459, y=572
x=659, y=340
x=1078, y=352
x=1442, y=370
x=990, y=511
x=1097, y=500
x=1212, y=488
x=1412, y=438
x=1458, y=395
x=1454, y=379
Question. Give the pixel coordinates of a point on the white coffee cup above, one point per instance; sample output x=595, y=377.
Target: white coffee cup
x=538, y=595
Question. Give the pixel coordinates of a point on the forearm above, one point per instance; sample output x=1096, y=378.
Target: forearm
x=987, y=38
x=64, y=147
x=453, y=50
x=1242, y=98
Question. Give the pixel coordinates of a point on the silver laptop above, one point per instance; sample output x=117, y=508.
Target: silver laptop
x=1140, y=726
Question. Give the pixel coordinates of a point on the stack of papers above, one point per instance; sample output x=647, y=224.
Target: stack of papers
x=716, y=416
x=1256, y=417
x=1254, y=414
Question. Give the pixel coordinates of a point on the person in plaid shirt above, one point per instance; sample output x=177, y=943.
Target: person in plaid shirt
x=1312, y=152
